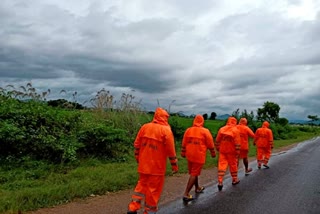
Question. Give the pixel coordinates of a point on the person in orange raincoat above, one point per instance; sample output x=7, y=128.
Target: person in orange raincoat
x=195, y=143
x=228, y=145
x=263, y=139
x=154, y=143
x=245, y=133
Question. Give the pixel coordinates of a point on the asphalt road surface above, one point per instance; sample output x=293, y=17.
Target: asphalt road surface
x=291, y=185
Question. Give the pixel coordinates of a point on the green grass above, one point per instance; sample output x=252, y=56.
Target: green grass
x=32, y=185
x=21, y=190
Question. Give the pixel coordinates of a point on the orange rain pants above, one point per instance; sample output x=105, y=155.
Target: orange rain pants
x=263, y=155
x=149, y=187
x=225, y=160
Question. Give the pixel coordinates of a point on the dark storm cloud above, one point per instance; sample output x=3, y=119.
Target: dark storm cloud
x=17, y=64
x=96, y=46
x=146, y=78
x=208, y=56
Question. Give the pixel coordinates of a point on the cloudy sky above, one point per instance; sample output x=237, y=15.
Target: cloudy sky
x=194, y=56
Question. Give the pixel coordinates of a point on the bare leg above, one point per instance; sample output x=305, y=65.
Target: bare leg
x=245, y=163
x=196, y=183
x=191, y=182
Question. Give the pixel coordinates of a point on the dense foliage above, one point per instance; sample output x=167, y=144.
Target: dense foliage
x=34, y=129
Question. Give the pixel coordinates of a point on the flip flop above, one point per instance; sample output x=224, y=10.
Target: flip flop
x=200, y=190
x=248, y=171
x=235, y=182
x=187, y=198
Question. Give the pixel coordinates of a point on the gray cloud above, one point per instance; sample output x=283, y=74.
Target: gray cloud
x=205, y=57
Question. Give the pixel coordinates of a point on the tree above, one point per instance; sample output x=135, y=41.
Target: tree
x=62, y=103
x=283, y=121
x=213, y=116
x=236, y=114
x=313, y=118
x=205, y=116
x=269, y=111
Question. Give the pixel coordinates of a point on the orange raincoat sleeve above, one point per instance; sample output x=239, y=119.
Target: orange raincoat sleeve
x=271, y=138
x=250, y=132
x=237, y=140
x=171, y=151
x=218, y=140
x=245, y=133
x=210, y=143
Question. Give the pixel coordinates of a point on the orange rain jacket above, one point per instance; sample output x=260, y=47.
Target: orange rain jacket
x=154, y=144
x=263, y=136
x=245, y=133
x=196, y=141
x=228, y=138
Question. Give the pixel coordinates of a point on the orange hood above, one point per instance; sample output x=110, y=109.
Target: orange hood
x=198, y=120
x=243, y=121
x=228, y=128
x=265, y=124
x=232, y=121
x=161, y=116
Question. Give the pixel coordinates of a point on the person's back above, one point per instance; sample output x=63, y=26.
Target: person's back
x=263, y=136
x=228, y=137
x=197, y=139
x=245, y=133
x=263, y=139
x=151, y=141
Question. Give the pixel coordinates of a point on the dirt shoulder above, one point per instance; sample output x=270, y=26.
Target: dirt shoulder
x=116, y=203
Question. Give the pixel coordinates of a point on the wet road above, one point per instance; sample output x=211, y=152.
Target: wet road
x=291, y=185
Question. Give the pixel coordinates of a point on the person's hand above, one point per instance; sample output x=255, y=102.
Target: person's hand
x=174, y=169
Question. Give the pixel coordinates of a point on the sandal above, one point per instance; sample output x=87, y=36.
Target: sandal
x=248, y=171
x=200, y=189
x=235, y=182
x=187, y=198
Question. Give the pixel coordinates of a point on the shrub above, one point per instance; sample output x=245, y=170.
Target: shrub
x=177, y=127
x=104, y=141
x=33, y=129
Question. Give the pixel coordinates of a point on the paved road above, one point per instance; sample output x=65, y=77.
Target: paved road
x=290, y=186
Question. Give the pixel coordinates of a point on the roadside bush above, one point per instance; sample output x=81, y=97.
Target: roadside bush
x=177, y=128
x=282, y=132
x=104, y=141
x=305, y=128
x=33, y=129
